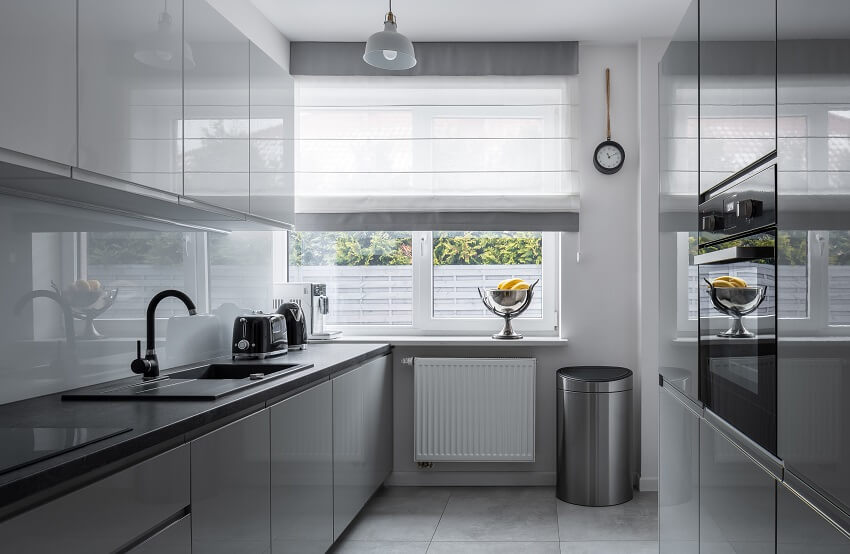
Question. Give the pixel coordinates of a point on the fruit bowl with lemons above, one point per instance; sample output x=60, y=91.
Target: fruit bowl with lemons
x=734, y=297
x=88, y=299
x=508, y=300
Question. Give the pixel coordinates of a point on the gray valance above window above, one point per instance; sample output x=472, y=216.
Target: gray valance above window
x=441, y=58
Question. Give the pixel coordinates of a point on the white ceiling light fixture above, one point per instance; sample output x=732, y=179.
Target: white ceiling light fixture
x=389, y=49
x=161, y=48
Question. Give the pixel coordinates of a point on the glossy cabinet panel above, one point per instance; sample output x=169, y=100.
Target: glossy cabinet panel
x=813, y=197
x=230, y=488
x=131, y=111
x=362, y=437
x=678, y=109
x=174, y=539
x=107, y=514
x=678, y=485
x=737, y=498
x=272, y=139
x=801, y=530
x=302, y=472
x=737, y=122
x=215, y=145
x=38, y=62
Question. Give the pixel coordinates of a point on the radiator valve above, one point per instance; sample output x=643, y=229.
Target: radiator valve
x=425, y=465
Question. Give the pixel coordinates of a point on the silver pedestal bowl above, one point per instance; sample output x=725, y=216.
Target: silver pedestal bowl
x=507, y=304
x=736, y=303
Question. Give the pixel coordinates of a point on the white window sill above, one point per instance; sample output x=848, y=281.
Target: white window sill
x=454, y=340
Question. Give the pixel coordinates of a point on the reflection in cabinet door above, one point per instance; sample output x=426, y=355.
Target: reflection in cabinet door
x=174, y=539
x=362, y=437
x=215, y=146
x=737, y=498
x=678, y=485
x=38, y=90
x=800, y=530
x=130, y=99
x=230, y=488
x=302, y=472
x=272, y=139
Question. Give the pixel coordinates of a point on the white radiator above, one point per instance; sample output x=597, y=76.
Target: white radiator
x=474, y=409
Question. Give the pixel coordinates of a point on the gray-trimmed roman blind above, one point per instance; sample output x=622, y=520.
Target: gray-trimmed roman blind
x=454, y=150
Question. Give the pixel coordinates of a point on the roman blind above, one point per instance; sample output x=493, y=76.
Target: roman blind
x=436, y=152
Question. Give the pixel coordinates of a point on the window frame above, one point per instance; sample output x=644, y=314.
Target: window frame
x=422, y=298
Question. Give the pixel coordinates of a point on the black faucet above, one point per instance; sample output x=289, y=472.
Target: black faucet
x=149, y=365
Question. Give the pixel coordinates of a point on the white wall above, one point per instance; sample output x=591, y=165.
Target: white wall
x=599, y=294
x=254, y=25
x=649, y=54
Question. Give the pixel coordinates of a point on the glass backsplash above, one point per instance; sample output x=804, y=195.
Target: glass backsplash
x=75, y=285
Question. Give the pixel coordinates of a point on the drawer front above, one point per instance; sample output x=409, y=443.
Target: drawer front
x=174, y=539
x=105, y=515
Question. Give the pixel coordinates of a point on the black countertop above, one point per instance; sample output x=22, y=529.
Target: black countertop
x=156, y=425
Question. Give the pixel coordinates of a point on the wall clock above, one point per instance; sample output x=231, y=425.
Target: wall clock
x=609, y=156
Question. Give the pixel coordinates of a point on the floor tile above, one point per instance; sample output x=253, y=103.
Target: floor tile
x=391, y=517
x=499, y=514
x=636, y=520
x=493, y=548
x=609, y=547
x=380, y=547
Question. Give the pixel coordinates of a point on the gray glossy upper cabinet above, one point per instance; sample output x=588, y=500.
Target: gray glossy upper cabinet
x=302, y=472
x=272, y=139
x=230, y=488
x=108, y=514
x=38, y=62
x=131, y=59
x=813, y=185
x=215, y=146
x=737, y=498
x=678, y=110
x=362, y=437
x=737, y=86
x=800, y=530
x=678, y=484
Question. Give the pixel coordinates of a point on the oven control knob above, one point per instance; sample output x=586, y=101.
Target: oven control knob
x=747, y=208
x=711, y=223
x=242, y=344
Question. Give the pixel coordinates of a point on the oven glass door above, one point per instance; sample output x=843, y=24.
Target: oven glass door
x=737, y=335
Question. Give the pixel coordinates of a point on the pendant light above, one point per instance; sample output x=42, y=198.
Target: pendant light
x=162, y=48
x=389, y=49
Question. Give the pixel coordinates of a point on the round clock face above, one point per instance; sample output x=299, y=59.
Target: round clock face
x=609, y=157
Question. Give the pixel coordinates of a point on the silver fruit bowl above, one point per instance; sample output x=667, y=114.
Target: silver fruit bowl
x=507, y=304
x=736, y=303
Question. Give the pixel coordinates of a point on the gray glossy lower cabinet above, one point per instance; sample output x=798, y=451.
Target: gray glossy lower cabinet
x=800, y=530
x=302, y=472
x=108, y=514
x=174, y=539
x=678, y=490
x=230, y=488
x=362, y=437
x=737, y=498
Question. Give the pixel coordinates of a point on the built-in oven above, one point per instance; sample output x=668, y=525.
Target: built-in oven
x=736, y=262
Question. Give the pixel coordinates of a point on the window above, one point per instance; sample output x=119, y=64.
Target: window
x=400, y=282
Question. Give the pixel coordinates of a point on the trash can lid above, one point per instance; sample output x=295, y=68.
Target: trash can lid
x=598, y=378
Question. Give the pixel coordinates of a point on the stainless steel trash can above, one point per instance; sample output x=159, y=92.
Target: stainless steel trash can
x=594, y=410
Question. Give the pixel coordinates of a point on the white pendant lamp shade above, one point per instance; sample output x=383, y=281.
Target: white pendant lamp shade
x=162, y=48
x=389, y=49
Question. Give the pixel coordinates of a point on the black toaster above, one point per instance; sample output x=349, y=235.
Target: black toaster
x=259, y=335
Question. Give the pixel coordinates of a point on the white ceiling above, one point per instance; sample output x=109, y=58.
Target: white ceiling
x=477, y=20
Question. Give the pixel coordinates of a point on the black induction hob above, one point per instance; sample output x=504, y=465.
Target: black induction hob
x=22, y=446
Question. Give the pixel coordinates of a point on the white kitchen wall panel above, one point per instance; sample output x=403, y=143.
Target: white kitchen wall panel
x=474, y=409
x=38, y=112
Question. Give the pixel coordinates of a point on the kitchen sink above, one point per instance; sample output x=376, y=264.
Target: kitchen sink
x=205, y=382
x=232, y=371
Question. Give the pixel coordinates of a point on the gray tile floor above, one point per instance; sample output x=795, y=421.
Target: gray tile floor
x=499, y=520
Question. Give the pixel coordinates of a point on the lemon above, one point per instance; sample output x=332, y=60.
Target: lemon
x=507, y=284
x=522, y=285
